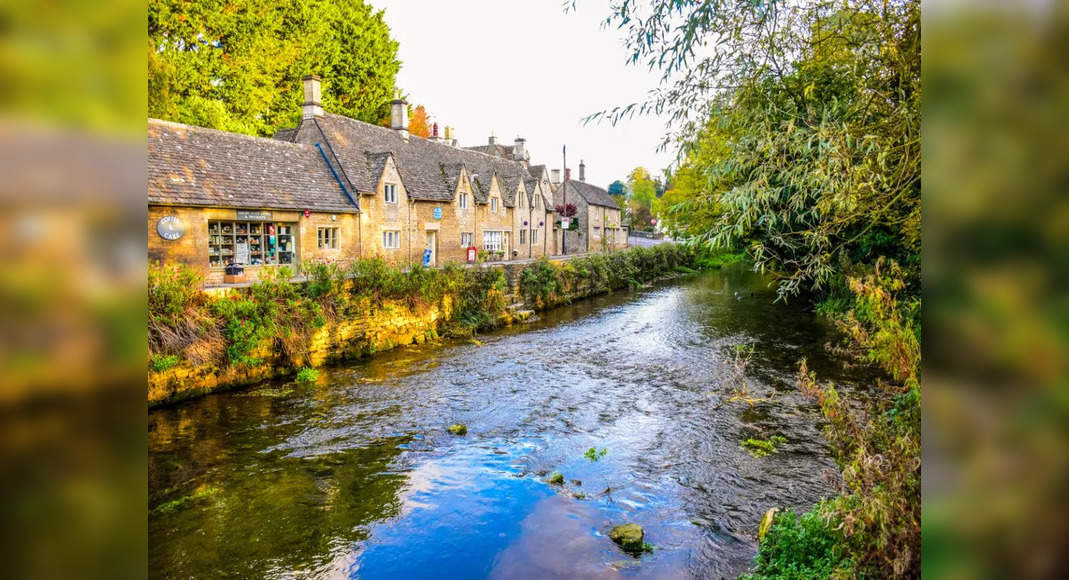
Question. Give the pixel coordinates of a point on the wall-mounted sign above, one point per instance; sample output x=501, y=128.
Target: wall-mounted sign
x=565, y=222
x=253, y=215
x=437, y=213
x=170, y=227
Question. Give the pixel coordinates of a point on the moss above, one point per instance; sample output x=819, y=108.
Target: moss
x=459, y=429
x=182, y=502
x=556, y=479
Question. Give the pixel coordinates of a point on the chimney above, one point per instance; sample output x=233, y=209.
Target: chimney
x=399, y=115
x=519, y=151
x=493, y=140
x=313, y=103
x=554, y=176
x=567, y=174
x=582, y=171
x=434, y=132
x=449, y=136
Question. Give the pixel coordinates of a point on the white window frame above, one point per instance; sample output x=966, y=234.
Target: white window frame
x=597, y=232
x=463, y=201
x=534, y=236
x=467, y=237
x=327, y=237
x=523, y=237
x=390, y=192
x=493, y=205
x=391, y=239
x=492, y=240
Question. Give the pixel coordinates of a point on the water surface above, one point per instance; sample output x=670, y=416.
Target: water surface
x=355, y=476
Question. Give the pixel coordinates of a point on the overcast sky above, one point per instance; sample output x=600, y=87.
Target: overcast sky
x=524, y=67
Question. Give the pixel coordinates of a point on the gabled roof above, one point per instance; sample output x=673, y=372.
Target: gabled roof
x=376, y=163
x=495, y=150
x=592, y=194
x=429, y=169
x=194, y=166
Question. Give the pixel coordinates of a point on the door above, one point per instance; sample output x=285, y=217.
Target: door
x=432, y=245
x=505, y=245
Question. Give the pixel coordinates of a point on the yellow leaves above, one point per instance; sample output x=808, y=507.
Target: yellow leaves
x=807, y=92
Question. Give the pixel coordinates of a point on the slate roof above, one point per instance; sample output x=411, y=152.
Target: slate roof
x=194, y=166
x=495, y=150
x=429, y=169
x=593, y=194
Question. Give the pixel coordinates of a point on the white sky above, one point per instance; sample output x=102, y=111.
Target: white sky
x=515, y=67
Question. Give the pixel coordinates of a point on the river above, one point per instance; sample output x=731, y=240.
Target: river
x=356, y=475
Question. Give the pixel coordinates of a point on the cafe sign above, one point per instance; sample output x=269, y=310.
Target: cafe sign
x=170, y=227
x=253, y=215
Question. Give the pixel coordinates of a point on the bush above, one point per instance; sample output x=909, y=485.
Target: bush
x=307, y=375
x=801, y=547
x=161, y=363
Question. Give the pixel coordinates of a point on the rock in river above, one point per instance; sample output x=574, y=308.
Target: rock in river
x=629, y=537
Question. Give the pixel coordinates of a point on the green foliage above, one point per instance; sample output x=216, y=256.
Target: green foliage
x=161, y=363
x=761, y=447
x=799, y=548
x=556, y=478
x=238, y=66
x=307, y=375
x=593, y=454
x=184, y=501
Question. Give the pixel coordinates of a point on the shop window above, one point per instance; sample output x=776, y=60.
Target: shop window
x=391, y=240
x=249, y=243
x=327, y=238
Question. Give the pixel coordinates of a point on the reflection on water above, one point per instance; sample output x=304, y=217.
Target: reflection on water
x=357, y=477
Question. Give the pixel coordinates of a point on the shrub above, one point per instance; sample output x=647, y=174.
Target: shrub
x=801, y=547
x=161, y=363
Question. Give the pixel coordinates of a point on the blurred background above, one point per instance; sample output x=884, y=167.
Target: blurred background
x=72, y=289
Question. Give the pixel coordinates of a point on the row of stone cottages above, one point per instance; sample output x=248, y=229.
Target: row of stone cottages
x=335, y=188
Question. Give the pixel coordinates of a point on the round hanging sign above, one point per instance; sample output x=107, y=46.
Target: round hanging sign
x=170, y=227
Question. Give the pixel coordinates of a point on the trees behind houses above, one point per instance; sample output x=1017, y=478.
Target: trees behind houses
x=237, y=66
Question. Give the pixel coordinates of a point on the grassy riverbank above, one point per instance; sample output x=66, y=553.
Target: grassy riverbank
x=278, y=326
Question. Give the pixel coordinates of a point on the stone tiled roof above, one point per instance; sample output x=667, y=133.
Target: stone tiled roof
x=203, y=167
x=593, y=194
x=286, y=135
x=495, y=150
x=429, y=169
x=536, y=171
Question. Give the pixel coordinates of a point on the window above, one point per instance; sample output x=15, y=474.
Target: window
x=391, y=192
x=465, y=239
x=493, y=205
x=523, y=237
x=597, y=232
x=250, y=243
x=534, y=237
x=504, y=212
x=538, y=202
x=492, y=241
x=391, y=240
x=327, y=238
x=463, y=201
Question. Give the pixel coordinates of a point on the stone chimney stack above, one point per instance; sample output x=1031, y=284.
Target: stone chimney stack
x=399, y=115
x=493, y=140
x=313, y=99
x=519, y=149
x=567, y=174
x=449, y=139
x=582, y=170
x=554, y=176
x=434, y=132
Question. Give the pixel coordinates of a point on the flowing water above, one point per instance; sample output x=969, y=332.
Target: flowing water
x=356, y=475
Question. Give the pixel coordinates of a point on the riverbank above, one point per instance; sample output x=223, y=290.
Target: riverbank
x=201, y=342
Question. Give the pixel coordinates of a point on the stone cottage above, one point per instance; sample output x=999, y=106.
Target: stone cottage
x=598, y=216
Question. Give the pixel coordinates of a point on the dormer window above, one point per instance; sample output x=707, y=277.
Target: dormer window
x=391, y=192
x=463, y=201
x=493, y=205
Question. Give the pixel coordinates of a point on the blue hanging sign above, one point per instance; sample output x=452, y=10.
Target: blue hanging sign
x=437, y=213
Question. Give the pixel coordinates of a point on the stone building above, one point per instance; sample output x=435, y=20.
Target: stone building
x=598, y=216
x=334, y=188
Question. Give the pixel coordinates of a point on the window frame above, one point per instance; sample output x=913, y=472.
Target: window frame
x=390, y=190
x=386, y=238
x=463, y=201
x=333, y=237
x=493, y=205
x=470, y=238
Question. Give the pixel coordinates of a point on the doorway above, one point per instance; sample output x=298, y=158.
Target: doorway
x=432, y=245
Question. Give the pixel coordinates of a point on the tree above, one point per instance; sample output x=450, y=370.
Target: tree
x=640, y=203
x=617, y=188
x=237, y=66
x=418, y=123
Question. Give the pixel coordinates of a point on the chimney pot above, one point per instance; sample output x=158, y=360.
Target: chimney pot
x=493, y=140
x=313, y=103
